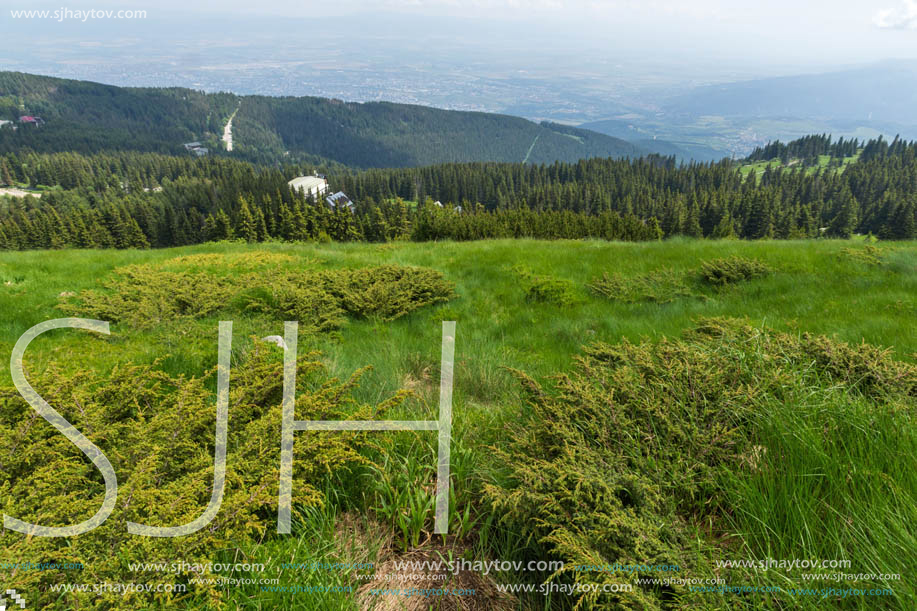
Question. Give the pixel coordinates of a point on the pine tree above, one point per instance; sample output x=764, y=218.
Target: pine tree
x=261, y=225
x=101, y=236
x=210, y=228
x=5, y=174
x=82, y=238
x=246, y=228
x=845, y=221
x=760, y=223
x=285, y=229
x=692, y=226
x=904, y=225
x=299, y=231
x=58, y=234
x=222, y=227
x=725, y=228
x=134, y=235
x=117, y=227
x=376, y=227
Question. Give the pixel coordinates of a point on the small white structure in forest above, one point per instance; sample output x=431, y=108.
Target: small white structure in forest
x=313, y=186
x=340, y=200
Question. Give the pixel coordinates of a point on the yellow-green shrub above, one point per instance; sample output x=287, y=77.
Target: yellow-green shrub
x=624, y=457
x=158, y=433
x=145, y=295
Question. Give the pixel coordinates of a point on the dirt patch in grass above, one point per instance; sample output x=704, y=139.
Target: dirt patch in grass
x=406, y=571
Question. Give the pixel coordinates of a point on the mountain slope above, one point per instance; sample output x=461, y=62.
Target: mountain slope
x=88, y=117
x=383, y=134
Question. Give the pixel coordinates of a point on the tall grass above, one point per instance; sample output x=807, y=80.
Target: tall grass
x=836, y=479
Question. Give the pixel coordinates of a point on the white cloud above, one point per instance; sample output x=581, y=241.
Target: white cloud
x=904, y=17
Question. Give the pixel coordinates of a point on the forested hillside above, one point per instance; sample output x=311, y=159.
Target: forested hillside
x=89, y=117
x=381, y=134
x=137, y=200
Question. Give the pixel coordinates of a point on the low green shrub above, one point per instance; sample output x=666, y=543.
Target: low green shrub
x=625, y=457
x=387, y=292
x=295, y=297
x=661, y=286
x=158, y=433
x=666, y=285
x=146, y=295
x=869, y=254
x=720, y=272
x=547, y=289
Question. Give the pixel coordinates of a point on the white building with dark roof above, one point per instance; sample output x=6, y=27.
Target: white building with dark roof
x=339, y=200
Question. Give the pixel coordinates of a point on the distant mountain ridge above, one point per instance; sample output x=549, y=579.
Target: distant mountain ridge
x=89, y=117
x=885, y=92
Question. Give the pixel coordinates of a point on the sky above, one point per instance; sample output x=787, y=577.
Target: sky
x=782, y=33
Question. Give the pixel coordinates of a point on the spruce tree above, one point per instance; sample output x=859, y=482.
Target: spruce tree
x=246, y=228
x=845, y=221
x=5, y=174
x=134, y=235
x=692, y=226
x=261, y=225
x=222, y=226
x=724, y=228
x=904, y=225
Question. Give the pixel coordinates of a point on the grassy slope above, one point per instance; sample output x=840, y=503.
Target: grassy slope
x=816, y=289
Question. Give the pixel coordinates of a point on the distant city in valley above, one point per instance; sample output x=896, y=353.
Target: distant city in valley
x=693, y=108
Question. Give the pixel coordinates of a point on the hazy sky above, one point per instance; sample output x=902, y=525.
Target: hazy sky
x=782, y=32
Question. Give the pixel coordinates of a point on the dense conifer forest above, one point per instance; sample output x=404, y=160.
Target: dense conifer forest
x=138, y=200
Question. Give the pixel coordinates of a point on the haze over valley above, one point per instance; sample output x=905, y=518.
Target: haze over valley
x=694, y=79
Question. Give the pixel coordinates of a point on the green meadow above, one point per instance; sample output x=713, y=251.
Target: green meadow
x=840, y=484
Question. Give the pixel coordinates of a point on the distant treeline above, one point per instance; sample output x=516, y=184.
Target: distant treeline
x=143, y=199
x=807, y=149
x=876, y=195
